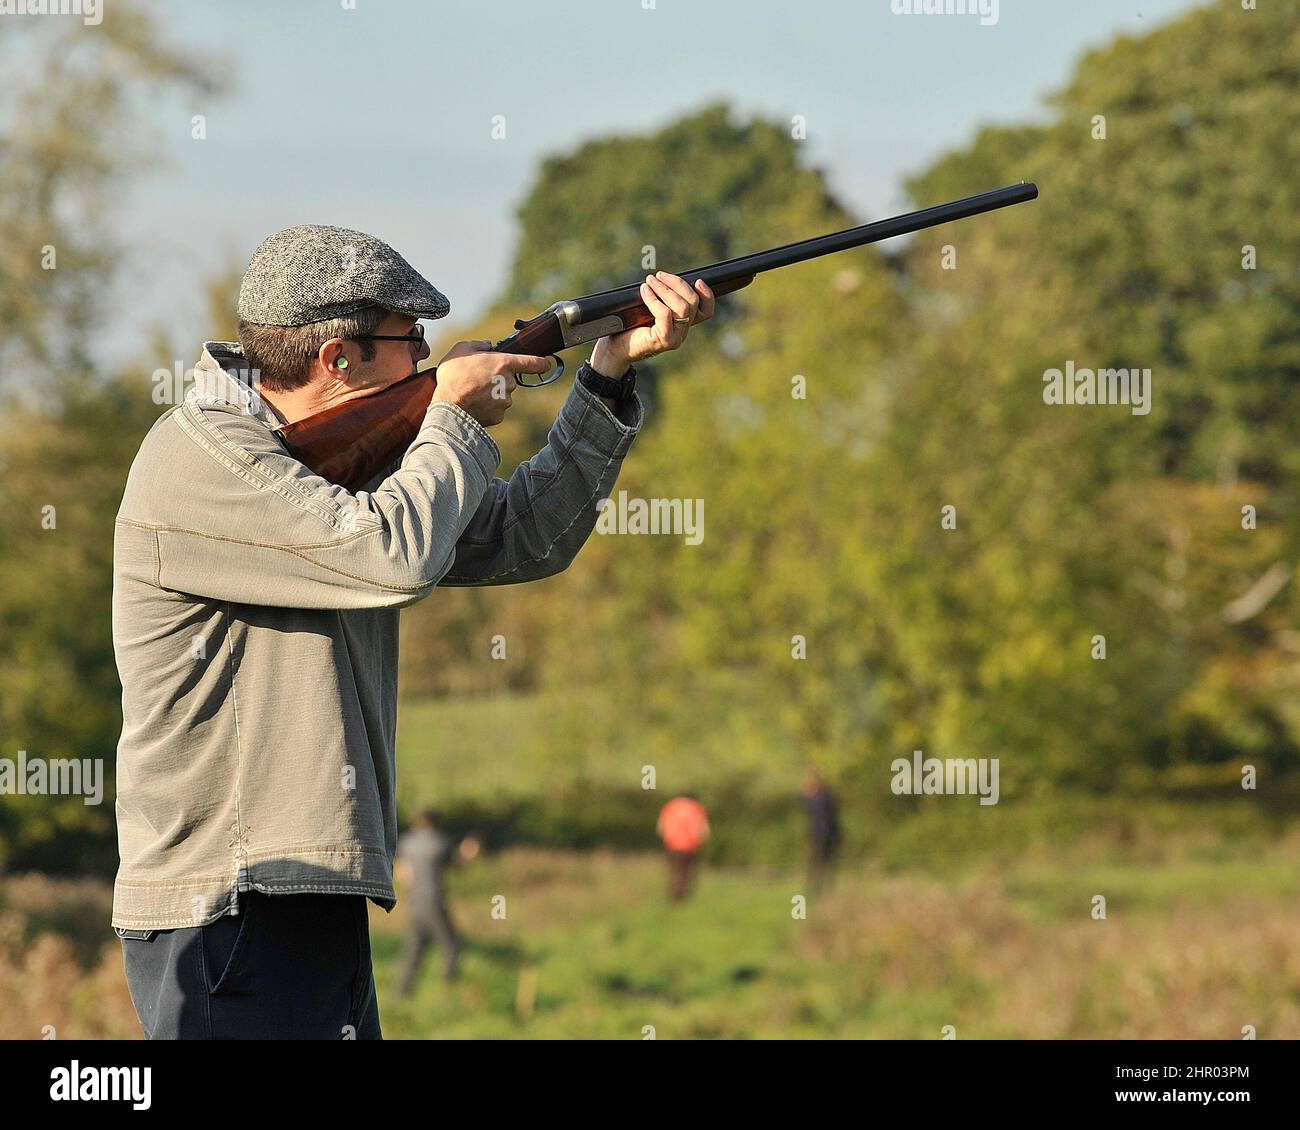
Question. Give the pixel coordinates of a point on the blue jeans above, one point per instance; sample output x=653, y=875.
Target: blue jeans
x=287, y=967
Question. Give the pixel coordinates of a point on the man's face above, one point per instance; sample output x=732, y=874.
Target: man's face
x=393, y=360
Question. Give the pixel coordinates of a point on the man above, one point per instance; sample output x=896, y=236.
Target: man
x=255, y=623
x=683, y=826
x=423, y=856
x=823, y=828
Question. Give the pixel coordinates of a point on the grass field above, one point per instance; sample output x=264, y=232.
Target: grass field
x=1191, y=950
x=950, y=915
x=1193, y=947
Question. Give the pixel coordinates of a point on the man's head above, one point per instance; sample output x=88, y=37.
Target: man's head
x=429, y=818
x=327, y=302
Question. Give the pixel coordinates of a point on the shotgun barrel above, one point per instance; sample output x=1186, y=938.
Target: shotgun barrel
x=746, y=266
x=574, y=321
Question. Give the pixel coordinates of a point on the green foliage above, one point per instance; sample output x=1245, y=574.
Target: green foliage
x=69, y=431
x=702, y=189
x=59, y=694
x=925, y=390
x=69, y=138
x=1088, y=521
x=822, y=514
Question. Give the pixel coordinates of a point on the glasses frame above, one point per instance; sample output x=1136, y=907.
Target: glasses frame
x=415, y=337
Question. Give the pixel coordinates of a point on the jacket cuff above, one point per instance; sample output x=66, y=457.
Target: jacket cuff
x=460, y=425
x=589, y=414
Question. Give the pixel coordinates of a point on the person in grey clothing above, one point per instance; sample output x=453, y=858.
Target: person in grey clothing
x=423, y=856
x=255, y=623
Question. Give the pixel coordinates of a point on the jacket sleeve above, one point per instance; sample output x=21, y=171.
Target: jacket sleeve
x=217, y=508
x=533, y=525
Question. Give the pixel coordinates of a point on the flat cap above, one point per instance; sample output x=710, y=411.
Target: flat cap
x=314, y=272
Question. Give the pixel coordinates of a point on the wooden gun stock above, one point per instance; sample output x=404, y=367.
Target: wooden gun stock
x=352, y=442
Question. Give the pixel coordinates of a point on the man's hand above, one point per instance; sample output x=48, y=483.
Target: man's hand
x=481, y=381
x=676, y=306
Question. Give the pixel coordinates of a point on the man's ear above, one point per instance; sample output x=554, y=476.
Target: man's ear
x=332, y=356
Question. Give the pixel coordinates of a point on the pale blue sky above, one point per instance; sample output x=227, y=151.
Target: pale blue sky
x=379, y=118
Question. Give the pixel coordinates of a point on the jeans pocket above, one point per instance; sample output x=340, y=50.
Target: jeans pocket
x=224, y=948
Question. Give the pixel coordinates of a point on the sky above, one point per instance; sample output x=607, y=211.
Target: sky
x=378, y=115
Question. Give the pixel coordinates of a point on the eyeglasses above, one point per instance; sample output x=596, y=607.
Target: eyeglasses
x=415, y=337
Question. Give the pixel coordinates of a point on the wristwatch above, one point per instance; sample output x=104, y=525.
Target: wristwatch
x=616, y=390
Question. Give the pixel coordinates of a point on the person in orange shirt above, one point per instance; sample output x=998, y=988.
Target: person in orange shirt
x=683, y=826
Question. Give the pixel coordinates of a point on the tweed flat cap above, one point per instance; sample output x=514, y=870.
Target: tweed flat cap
x=314, y=272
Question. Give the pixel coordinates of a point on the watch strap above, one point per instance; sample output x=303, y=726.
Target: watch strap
x=618, y=390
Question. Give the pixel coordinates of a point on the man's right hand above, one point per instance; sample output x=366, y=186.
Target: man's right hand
x=481, y=381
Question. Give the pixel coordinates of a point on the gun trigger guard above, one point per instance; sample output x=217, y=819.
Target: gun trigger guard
x=533, y=379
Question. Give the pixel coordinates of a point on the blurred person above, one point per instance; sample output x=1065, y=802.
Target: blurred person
x=255, y=623
x=683, y=826
x=423, y=855
x=823, y=829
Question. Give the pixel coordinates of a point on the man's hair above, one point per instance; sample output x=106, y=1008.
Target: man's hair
x=283, y=355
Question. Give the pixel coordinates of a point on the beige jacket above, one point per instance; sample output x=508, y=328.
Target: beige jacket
x=255, y=623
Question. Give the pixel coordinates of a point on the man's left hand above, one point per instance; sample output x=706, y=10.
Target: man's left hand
x=676, y=306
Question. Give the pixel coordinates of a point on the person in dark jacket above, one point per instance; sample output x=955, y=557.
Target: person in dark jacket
x=823, y=829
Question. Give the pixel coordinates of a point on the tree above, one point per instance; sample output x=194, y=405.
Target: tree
x=69, y=137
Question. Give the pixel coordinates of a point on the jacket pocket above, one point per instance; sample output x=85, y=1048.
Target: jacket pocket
x=224, y=947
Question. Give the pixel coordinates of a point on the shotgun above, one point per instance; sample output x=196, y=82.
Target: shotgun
x=351, y=443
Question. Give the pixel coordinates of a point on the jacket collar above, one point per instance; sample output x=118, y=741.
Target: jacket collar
x=222, y=377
